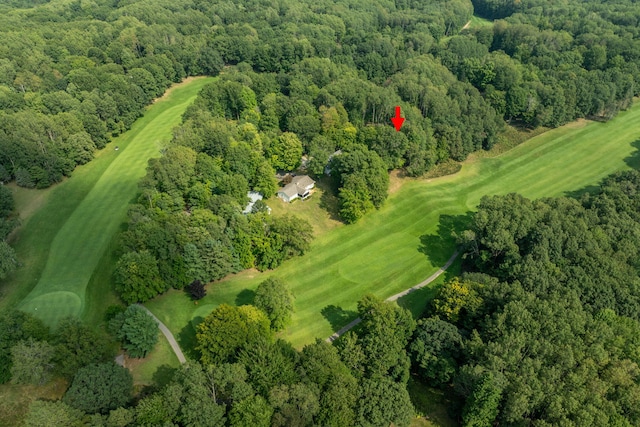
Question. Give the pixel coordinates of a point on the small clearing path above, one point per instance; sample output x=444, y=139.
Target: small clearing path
x=467, y=25
x=167, y=333
x=399, y=295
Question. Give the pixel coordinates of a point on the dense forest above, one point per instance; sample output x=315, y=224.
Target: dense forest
x=8, y=221
x=86, y=70
x=546, y=331
x=541, y=330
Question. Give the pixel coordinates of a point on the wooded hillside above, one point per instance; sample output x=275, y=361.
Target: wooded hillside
x=72, y=76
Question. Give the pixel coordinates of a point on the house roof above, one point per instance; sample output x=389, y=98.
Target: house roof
x=253, y=196
x=297, y=187
x=302, y=181
x=289, y=190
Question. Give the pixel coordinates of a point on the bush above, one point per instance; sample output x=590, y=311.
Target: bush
x=196, y=290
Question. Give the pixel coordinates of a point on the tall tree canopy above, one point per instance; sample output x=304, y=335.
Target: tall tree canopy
x=275, y=299
x=551, y=311
x=100, y=388
x=136, y=330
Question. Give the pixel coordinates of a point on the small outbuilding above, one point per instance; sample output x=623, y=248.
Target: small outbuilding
x=327, y=168
x=253, y=196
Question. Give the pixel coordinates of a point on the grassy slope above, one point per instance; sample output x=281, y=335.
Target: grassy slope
x=410, y=237
x=430, y=405
x=157, y=367
x=62, y=244
x=477, y=22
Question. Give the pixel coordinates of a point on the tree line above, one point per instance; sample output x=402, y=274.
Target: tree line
x=542, y=329
x=327, y=75
x=62, y=97
x=244, y=375
x=32, y=353
x=8, y=221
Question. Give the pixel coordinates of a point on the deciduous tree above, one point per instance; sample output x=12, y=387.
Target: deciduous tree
x=77, y=345
x=274, y=298
x=285, y=151
x=436, y=349
x=136, y=329
x=383, y=402
x=100, y=388
x=385, y=332
x=137, y=277
x=227, y=329
x=16, y=326
x=31, y=362
x=252, y=411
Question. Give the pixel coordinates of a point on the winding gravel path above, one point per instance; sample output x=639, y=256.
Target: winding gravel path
x=176, y=348
x=167, y=333
x=422, y=284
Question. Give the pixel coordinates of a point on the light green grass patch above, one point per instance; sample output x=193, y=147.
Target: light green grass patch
x=85, y=231
x=157, y=368
x=410, y=237
x=52, y=306
x=477, y=22
x=28, y=200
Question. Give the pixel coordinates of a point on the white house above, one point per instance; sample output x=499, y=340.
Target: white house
x=300, y=186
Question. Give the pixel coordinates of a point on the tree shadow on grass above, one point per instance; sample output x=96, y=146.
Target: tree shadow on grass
x=440, y=246
x=337, y=316
x=246, y=296
x=417, y=302
x=577, y=194
x=633, y=161
x=329, y=200
x=163, y=375
x=187, y=339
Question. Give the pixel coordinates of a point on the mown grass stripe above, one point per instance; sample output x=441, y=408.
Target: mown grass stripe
x=81, y=241
x=409, y=238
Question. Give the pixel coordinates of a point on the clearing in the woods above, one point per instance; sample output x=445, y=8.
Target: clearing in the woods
x=411, y=236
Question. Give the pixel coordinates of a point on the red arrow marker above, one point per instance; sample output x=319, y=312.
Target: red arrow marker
x=397, y=120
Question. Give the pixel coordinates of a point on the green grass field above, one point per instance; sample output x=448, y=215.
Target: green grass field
x=63, y=243
x=157, y=368
x=410, y=237
x=477, y=22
